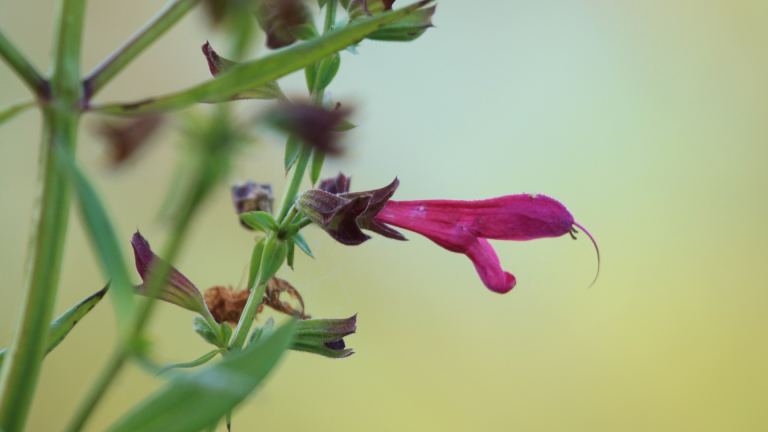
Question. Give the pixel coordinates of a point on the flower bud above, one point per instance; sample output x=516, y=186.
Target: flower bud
x=250, y=196
x=324, y=336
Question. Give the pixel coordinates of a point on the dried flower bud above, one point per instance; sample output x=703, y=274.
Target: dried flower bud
x=324, y=336
x=250, y=196
x=335, y=185
x=278, y=17
x=314, y=125
x=335, y=214
x=227, y=305
x=178, y=289
x=219, y=65
x=126, y=137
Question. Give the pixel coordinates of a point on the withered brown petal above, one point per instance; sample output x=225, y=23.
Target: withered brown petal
x=126, y=137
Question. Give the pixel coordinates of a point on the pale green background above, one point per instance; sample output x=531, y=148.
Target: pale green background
x=647, y=118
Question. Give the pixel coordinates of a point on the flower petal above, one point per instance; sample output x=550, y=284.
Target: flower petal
x=489, y=268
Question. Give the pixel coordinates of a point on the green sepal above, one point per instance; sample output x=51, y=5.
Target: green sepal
x=292, y=147
x=344, y=125
x=275, y=251
x=262, y=332
x=194, y=363
x=61, y=326
x=318, y=157
x=310, y=74
x=406, y=29
x=327, y=70
x=253, y=271
x=301, y=242
x=289, y=255
x=292, y=230
x=203, y=328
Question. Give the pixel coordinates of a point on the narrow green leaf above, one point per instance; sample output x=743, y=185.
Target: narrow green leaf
x=327, y=70
x=103, y=239
x=194, y=363
x=257, y=72
x=226, y=332
x=292, y=147
x=12, y=110
x=61, y=326
x=301, y=242
x=265, y=219
x=203, y=328
x=318, y=157
x=253, y=271
x=190, y=403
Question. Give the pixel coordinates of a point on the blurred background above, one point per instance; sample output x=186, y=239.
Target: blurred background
x=647, y=118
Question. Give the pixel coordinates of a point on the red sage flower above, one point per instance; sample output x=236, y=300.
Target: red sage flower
x=458, y=226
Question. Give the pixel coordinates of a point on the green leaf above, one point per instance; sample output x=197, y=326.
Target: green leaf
x=327, y=70
x=103, y=239
x=318, y=157
x=203, y=328
x=253, y=222
x=257, y=72
x=253, y=271
x=192, y=402
x=292, y=147
x=226, y=332
x=265, y=219
x=61, y=326
x=194, y=363
x=12, y=110
x=301, y=242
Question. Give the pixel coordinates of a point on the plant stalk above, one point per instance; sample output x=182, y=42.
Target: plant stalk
x=22, y=368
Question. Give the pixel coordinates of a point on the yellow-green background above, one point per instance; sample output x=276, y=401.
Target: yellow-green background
x=647, y=118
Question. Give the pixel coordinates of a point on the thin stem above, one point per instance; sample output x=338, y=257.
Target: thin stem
x=10, y=111
x=294, y=182
x=330, y=16
x=23, y=68
x=173, y=11
x=287, y=221
x=22, y=368
x=246, y=320
x=304, y=222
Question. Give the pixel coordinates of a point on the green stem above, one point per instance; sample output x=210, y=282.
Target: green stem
x=246, y=320
x=22, y=368
x=173, y=11
x=330, y=16
x=23, y=68
x=287, y=221
x=12, y=110
x=294, y=182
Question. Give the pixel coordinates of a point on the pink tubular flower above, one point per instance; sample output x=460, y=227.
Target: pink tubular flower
x=465, y=226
